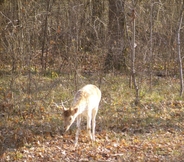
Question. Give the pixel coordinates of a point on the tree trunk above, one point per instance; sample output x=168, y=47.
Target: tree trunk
x=44, y=42
x=151, y=43
x=133, y=62
x=179, y=51
x=115, y=56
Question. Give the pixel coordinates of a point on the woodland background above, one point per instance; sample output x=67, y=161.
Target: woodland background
x=132, y=50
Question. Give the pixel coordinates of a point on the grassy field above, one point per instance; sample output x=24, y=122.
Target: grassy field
x=31, y=128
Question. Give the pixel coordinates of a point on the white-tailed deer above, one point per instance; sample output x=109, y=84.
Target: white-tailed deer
x=86, y=102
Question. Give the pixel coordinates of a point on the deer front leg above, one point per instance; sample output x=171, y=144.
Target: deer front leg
x=89, y=126
x=78, y=130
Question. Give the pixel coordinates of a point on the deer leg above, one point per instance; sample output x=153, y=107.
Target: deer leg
x=89, y=125
x=78, y=130
x=94, y=113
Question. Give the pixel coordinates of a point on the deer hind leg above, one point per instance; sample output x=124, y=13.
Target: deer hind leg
x=78, y=130
x=94, y=113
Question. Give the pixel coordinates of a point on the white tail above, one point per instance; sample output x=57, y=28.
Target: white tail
x=85, y=103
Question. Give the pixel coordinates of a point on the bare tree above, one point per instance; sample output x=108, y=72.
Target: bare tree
x=116, y=45
x=133, y=71
x=151, y=43
x=179, y=50
x=45, y=37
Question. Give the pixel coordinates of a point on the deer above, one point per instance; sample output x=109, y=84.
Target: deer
x=85, y=103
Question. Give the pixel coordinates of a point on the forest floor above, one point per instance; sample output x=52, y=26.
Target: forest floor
x=31, y=129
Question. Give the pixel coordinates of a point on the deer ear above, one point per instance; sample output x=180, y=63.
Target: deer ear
x=75, y=110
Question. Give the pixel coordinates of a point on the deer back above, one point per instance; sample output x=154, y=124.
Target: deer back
x=87, y=98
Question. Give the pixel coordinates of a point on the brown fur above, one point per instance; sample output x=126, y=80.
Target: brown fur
x=69, y=112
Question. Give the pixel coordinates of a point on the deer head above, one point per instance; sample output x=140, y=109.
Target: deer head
x=69, y=117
